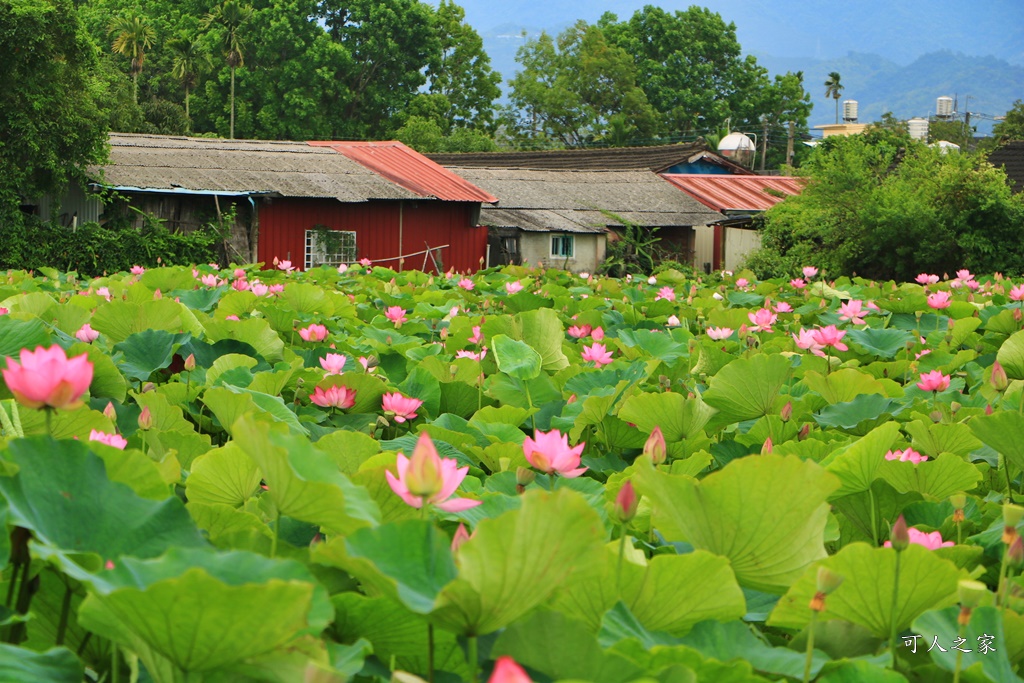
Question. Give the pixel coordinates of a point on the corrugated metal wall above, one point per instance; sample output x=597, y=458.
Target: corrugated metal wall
x=738, y=244
x=283, y=224
x=704, y=247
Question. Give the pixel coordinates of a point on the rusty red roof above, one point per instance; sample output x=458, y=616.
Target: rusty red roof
x=736, y=192
x=409, y=169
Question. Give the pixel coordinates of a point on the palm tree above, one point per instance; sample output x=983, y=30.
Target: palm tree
x=834, y=89
x=230, y=16
x=190, y=57
x=133, y=35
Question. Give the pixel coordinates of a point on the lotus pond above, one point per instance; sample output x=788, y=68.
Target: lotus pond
x=219, y=475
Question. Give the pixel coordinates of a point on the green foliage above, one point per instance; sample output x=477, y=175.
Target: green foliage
x=884, y=206
x=1012, y=127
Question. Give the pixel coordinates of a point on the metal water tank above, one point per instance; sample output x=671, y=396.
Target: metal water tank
x=739, y=148
x=918, y=128
x=850, y=111
x=944, y=107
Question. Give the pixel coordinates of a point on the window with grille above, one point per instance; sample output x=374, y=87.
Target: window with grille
x=329, y=247
x=562, y=246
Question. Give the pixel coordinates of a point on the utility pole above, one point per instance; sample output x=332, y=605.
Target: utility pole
x=764, y=141
x=789, y=143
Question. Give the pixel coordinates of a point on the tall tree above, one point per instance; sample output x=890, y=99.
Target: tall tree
x=569, y=90
x=133, y=35
x=230, y=17
x=190, y=58
x=50, y=126
x=834, y=89
x=461, y=71
x=1012, y=125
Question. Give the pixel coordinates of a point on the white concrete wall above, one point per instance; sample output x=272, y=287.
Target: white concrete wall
x=739, y=243
x=703, y=246
x=589, y=251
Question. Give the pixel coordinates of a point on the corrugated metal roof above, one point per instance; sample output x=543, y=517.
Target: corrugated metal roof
x=736, y=193
x=409, y=169
x=1011, y=157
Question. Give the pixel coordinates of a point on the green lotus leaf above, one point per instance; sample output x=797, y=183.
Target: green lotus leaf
x=516, y=561
x=16, y=335
x=223, y=475
x=884, y=343
x=935, y=479
x=992, y=664
x=747, y=388
x=228, y=404
x=679, y=418
x=422, y=385
x=734, y=641
x=348, y=449
x=861, y=413
x=542, y=329
x=369, y=390
x=1011, y=355
x=255, y=332
x=857, y=465
x=59, y=665
x=107, y=380
x=221, y=521
x=227, y=363
x=121, y=319
x=1002, y=431
x=936, y=438
x=846, y=671
x=134, y=468
x=655, y=344
x=167, y=279
x=516, y=358
x=843, y=385
x=303, y=482
x=307, y=298
x=726, y=513
x=143, y=353
x=865, y=597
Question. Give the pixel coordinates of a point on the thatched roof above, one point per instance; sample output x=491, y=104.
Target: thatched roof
x=1010, y=156
x=575, y=201
x=287, y=169
x=657, y=158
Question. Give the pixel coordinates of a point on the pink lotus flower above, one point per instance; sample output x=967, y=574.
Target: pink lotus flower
x=810, y=272
x=239, y=273
x=115, y=440
x=403, y=407
x=286, y=266
x=313, y=333
x=240, y=285
x=964, y=275
x=805, y=340
x=210, y=280
x=365, y=362
x=466, y=284
x=549, y=452
x=933, y=381
x=396, y=314
x=342, y=268
x=666, y=293
x=86, y=334
x=742, y=283
x=507, y=671
x=797, y=283
x=137, y=270
x=673, y=321
x=47, y=377
x=104, y=292
x=939, y=300
x=956, y=284
x=597, y=334
x=597, y=353
x=4, y=310
x=763, y=319
x=276, y=289
x=333, y=363
x=1017, y=292
x=972, y=285
x=853, y=312
x=926, y=279
x=429, y=479
x=365, y=262
x=340, y=397
x=473, y=355
x=830, y=335
x=259, y=289
x=930, y=541
x=579, y=331
x=513, y=287
x=719, y=333
x=783, y=307
x=235, y=317
x=477, y=335
x=908, y=455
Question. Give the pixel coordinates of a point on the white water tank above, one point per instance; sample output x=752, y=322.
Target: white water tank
x=918, y=128
x=944, y=107
x=850, y=111
x=739, y=148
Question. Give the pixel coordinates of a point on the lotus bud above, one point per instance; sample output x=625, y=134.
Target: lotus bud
x=988, y=409
x=148, y=386
x=655, y=447
x=626, y=502
x=460, y=537
x=804, y=431
x=109, y=412
x=998, y=378
x=423, y=476
x=1017, y=314
x=190, y=362
x=1015, y=553
x=787, y=411
x=145, y=419
x=766, y=448
x=900, y=536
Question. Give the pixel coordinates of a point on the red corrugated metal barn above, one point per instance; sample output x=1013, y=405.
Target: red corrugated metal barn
x=310, y=203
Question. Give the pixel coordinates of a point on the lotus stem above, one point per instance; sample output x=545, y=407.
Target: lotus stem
x=277, y=534
x=430, y=653
x=551, y=476
x=85, y=642
x=49, y=420
x=622, y=556
x=15, y=571
x=65, y=609
x=529, y=402
x=892, y=613
x=1002, y=578
x=874, y=522
x=114, y=674
x=810, y=647
x=959, y=656
x=474, y=664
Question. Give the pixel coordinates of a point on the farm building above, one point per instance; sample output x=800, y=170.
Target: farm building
x=726, y=241
x=560, y=207
x=309, y=203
